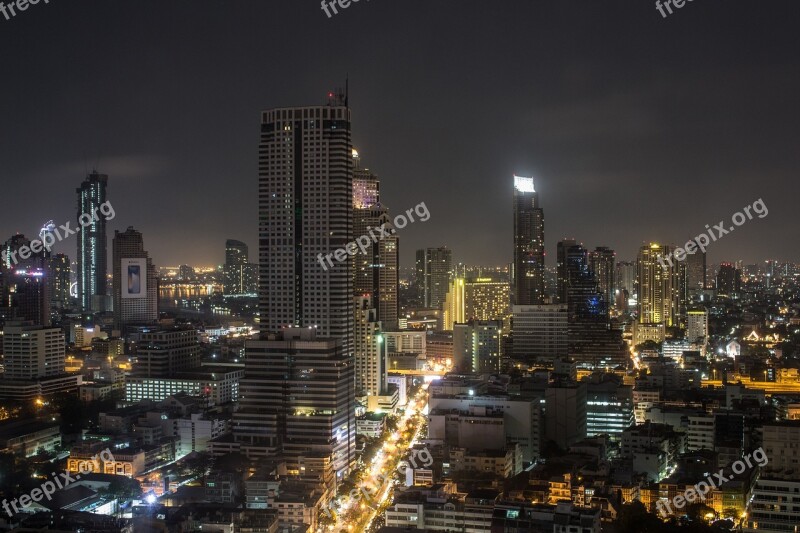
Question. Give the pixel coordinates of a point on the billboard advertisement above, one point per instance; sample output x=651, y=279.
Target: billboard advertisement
x=134, y=278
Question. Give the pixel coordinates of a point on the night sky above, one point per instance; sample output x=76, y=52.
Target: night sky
x=635, y=127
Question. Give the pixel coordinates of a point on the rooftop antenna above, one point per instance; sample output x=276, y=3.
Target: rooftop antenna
x=347, y=90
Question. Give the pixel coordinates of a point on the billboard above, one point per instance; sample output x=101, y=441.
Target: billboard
x=134, y=278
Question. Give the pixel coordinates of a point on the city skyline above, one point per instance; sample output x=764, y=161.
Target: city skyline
x=595, y=137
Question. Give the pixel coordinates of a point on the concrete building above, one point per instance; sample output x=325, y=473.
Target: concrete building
x=218, y=386
x=164, y=353
x=434, y=271
x=135, y=289
x=565, y=413
x=540, y=332
x=32, y=352
x=477, y=346
x=529, y=253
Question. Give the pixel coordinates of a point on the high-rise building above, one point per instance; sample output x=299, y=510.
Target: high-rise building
x=487, y=299
x=434, y=271
x=134, y=281
x=662, y=286
x=696, y=271
x=562, y=282
x=306, y=214
x=376, y=271
x=28, y=295
x=602, y=263
x=729, y=281
x=164, y=353
x=297, y=399
x=454, y=309
x=92, y=245
x=477, y=346
x=540, y=332
x=32, y=351
x=528, y=244
x=626, y=279
x=240, y=275
x=60, y=281
x=370, y=349
x=298, y=395
x=697, y=326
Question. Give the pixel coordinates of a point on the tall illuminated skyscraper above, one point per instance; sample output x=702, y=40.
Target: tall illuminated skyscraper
x=528, y=244
x=376, y=272
x=434, y=271
x=661, y=286
x=92, y=245
x=454, y=311
x=298, y=393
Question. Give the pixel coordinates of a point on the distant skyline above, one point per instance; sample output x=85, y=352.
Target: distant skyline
x=637, y=129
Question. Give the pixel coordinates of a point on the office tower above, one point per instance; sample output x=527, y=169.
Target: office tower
x=602, y=263
x=696, y=271
x=134, y=281
x=729, y=281
x=562, y=249
x=565, y=412
x=593, y=343
x=697, y=326
x=626, y=279
x=297, y=399
x=298, y=395
x=487, y=299
x=240, y=276
x=60, y=281
x=434, y=267
x=477, y=346
x=528, y=244
x=453, y=312
x=376, y=271
x=92, y=245
x=580, y=285
x=370, y=349
x=540, y=332
x=32, y=351
x=162, y=354
x=306, y=214
x=662, y=286
x=12, y=254
x=609, y=406
x=28, y=295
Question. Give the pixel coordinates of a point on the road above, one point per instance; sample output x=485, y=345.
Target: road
x=357, y=514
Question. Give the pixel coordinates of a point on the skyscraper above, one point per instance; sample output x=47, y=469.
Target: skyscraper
x=376, y=272
x=306, y=213
x=602, y=263
x=729, y=280
x=487, y=299
x=434, y=267
x=661, y=286
x=298, y=394
x=92, y=245
x=240, y=275
x=60, y=281
x=454, y=308
x=528, y=244
x=696, y=271
x=134, y=281
x=370, y=354
x=562, y=248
